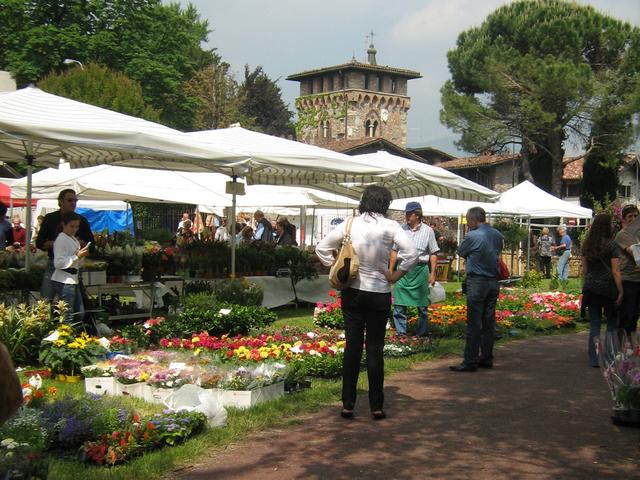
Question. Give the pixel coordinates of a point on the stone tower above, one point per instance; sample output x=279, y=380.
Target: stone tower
x=353, y=101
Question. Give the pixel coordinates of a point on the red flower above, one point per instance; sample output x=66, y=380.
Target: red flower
x=332, y=293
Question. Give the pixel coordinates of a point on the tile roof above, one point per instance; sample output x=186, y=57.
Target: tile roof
x=481, y=161
x=355, y=65
x=350, y=146
x=573, y=166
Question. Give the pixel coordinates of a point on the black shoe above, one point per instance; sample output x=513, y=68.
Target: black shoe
x=485, y=365
x=379, y=415
x=344, y=413
x=463, y=368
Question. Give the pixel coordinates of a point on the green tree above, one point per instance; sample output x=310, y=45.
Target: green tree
x=536, y=74
x=155, y=44
x=260, y=104
x=215, y=91
x=102, y=87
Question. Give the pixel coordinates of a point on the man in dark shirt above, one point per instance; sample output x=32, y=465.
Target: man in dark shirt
x=481, y=250
x=6, y=230
x=49, y=230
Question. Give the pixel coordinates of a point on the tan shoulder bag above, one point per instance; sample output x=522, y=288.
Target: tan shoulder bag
x=345, y=269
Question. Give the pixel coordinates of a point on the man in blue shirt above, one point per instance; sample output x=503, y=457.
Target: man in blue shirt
x=481, y=250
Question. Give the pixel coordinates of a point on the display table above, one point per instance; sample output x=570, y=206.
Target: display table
x=147, y=295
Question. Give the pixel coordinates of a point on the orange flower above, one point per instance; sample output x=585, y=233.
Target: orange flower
x=53, y=391
x=38, y=394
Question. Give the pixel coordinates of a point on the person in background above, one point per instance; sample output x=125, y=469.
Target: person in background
x=629, y=270
x=19, y=232
x=412, y=290
x=67, y=260
x=367, y=302
x=185, y=217
x=36, y=228
x=222, y=234
x=545, y=242
x=51, y=227
x=264, y=230
x=602, y=288
x=284, y=233
x=564, y=250
x=245, y=235
x=481, y=250
x=185, y=234
x=6, y=230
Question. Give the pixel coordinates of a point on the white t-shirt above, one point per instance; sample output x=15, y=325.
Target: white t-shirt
x=372, y=237
x=64, y=256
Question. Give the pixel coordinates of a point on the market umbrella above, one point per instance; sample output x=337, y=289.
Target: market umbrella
x=41, y=128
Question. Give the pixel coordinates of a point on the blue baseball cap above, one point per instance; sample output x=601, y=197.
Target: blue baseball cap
x=412, y=207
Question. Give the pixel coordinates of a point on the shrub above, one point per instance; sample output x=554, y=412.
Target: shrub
x=531, y=279
x=239, y=292
x=198, y=286
x=218, y=319
x=22, y=327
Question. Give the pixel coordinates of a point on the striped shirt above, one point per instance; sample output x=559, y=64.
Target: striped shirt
x=424, y=239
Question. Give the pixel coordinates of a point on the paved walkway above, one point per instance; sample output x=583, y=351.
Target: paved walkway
x=541, y=413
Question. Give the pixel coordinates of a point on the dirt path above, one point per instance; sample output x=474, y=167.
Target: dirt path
x=541, y=413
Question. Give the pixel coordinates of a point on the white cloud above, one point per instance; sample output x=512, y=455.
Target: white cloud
x=442, y=20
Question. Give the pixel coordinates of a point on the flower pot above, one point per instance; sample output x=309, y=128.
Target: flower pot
x=61, y=377
x=73, y=378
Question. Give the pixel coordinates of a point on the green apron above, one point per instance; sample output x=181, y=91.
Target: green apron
x=412, y=290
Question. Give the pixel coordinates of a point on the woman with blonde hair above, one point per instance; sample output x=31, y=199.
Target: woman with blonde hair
x=545, y=242
x=602, y=287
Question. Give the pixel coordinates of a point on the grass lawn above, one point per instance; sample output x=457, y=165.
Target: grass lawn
x=279, y=413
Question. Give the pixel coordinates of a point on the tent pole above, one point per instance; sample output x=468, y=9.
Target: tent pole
x=313, y=226
x=303, y=225
x=528, y=244
x=27, y=250
x=233, y=229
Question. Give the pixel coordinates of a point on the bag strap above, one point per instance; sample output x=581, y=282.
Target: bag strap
x=347, y=231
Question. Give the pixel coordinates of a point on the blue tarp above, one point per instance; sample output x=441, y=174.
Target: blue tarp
x=112, y=220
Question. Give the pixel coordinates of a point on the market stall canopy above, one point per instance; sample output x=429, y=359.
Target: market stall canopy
x=278, y=161
x=412, y=179
x=108, y=182
x=6, y=196
x=277, y=156
x=445, y=207
x=535, y=202
x=45, y=127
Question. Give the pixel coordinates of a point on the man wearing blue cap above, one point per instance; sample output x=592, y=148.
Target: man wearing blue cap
x=412, y=290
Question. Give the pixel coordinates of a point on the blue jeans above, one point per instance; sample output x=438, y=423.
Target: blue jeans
x=72, y=296
x=596, y=304
x=482, y=295
x=400, y=320
x=47, y=289
x=563, y=266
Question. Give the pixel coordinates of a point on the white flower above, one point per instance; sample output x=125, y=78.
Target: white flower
x=26, y=392
x=52, y=338
x=314, y=352
x=295, y=349
x=311, y=334
x=35, y=381
x=8, y=443
x=225, y=311
x=104, y=342
x=341, y=335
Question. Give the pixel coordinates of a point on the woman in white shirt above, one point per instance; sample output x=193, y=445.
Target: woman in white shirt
x=366, y=304
x=67, y=256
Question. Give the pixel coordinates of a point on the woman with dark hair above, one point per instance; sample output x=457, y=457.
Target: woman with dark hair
x=367, y=302
x=602, y=287
x=67, y=260
x=285, y=233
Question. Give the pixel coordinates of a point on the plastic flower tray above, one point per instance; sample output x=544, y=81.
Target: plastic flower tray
x=248, y=398
x=131, y=389
x=101, y=385
x=156, y=394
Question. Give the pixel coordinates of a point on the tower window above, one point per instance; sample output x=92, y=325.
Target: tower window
x=379, y=83
x=394, y=85
x=325, y=129
x=370, y=128
x=366, y=81
x=331, y=83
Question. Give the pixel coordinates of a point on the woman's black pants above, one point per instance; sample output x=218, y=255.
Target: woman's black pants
x=364, y=312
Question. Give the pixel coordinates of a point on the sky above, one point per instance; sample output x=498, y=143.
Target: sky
x=291, y=36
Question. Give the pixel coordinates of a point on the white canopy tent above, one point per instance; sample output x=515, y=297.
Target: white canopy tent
x=445, y=207
x=537, y=203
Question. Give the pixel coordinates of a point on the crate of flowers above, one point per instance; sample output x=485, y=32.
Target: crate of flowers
x=247, y=386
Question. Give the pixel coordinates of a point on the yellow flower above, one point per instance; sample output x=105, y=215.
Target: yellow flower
x=74, y=345
x=58, y=343
x=195, y=339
